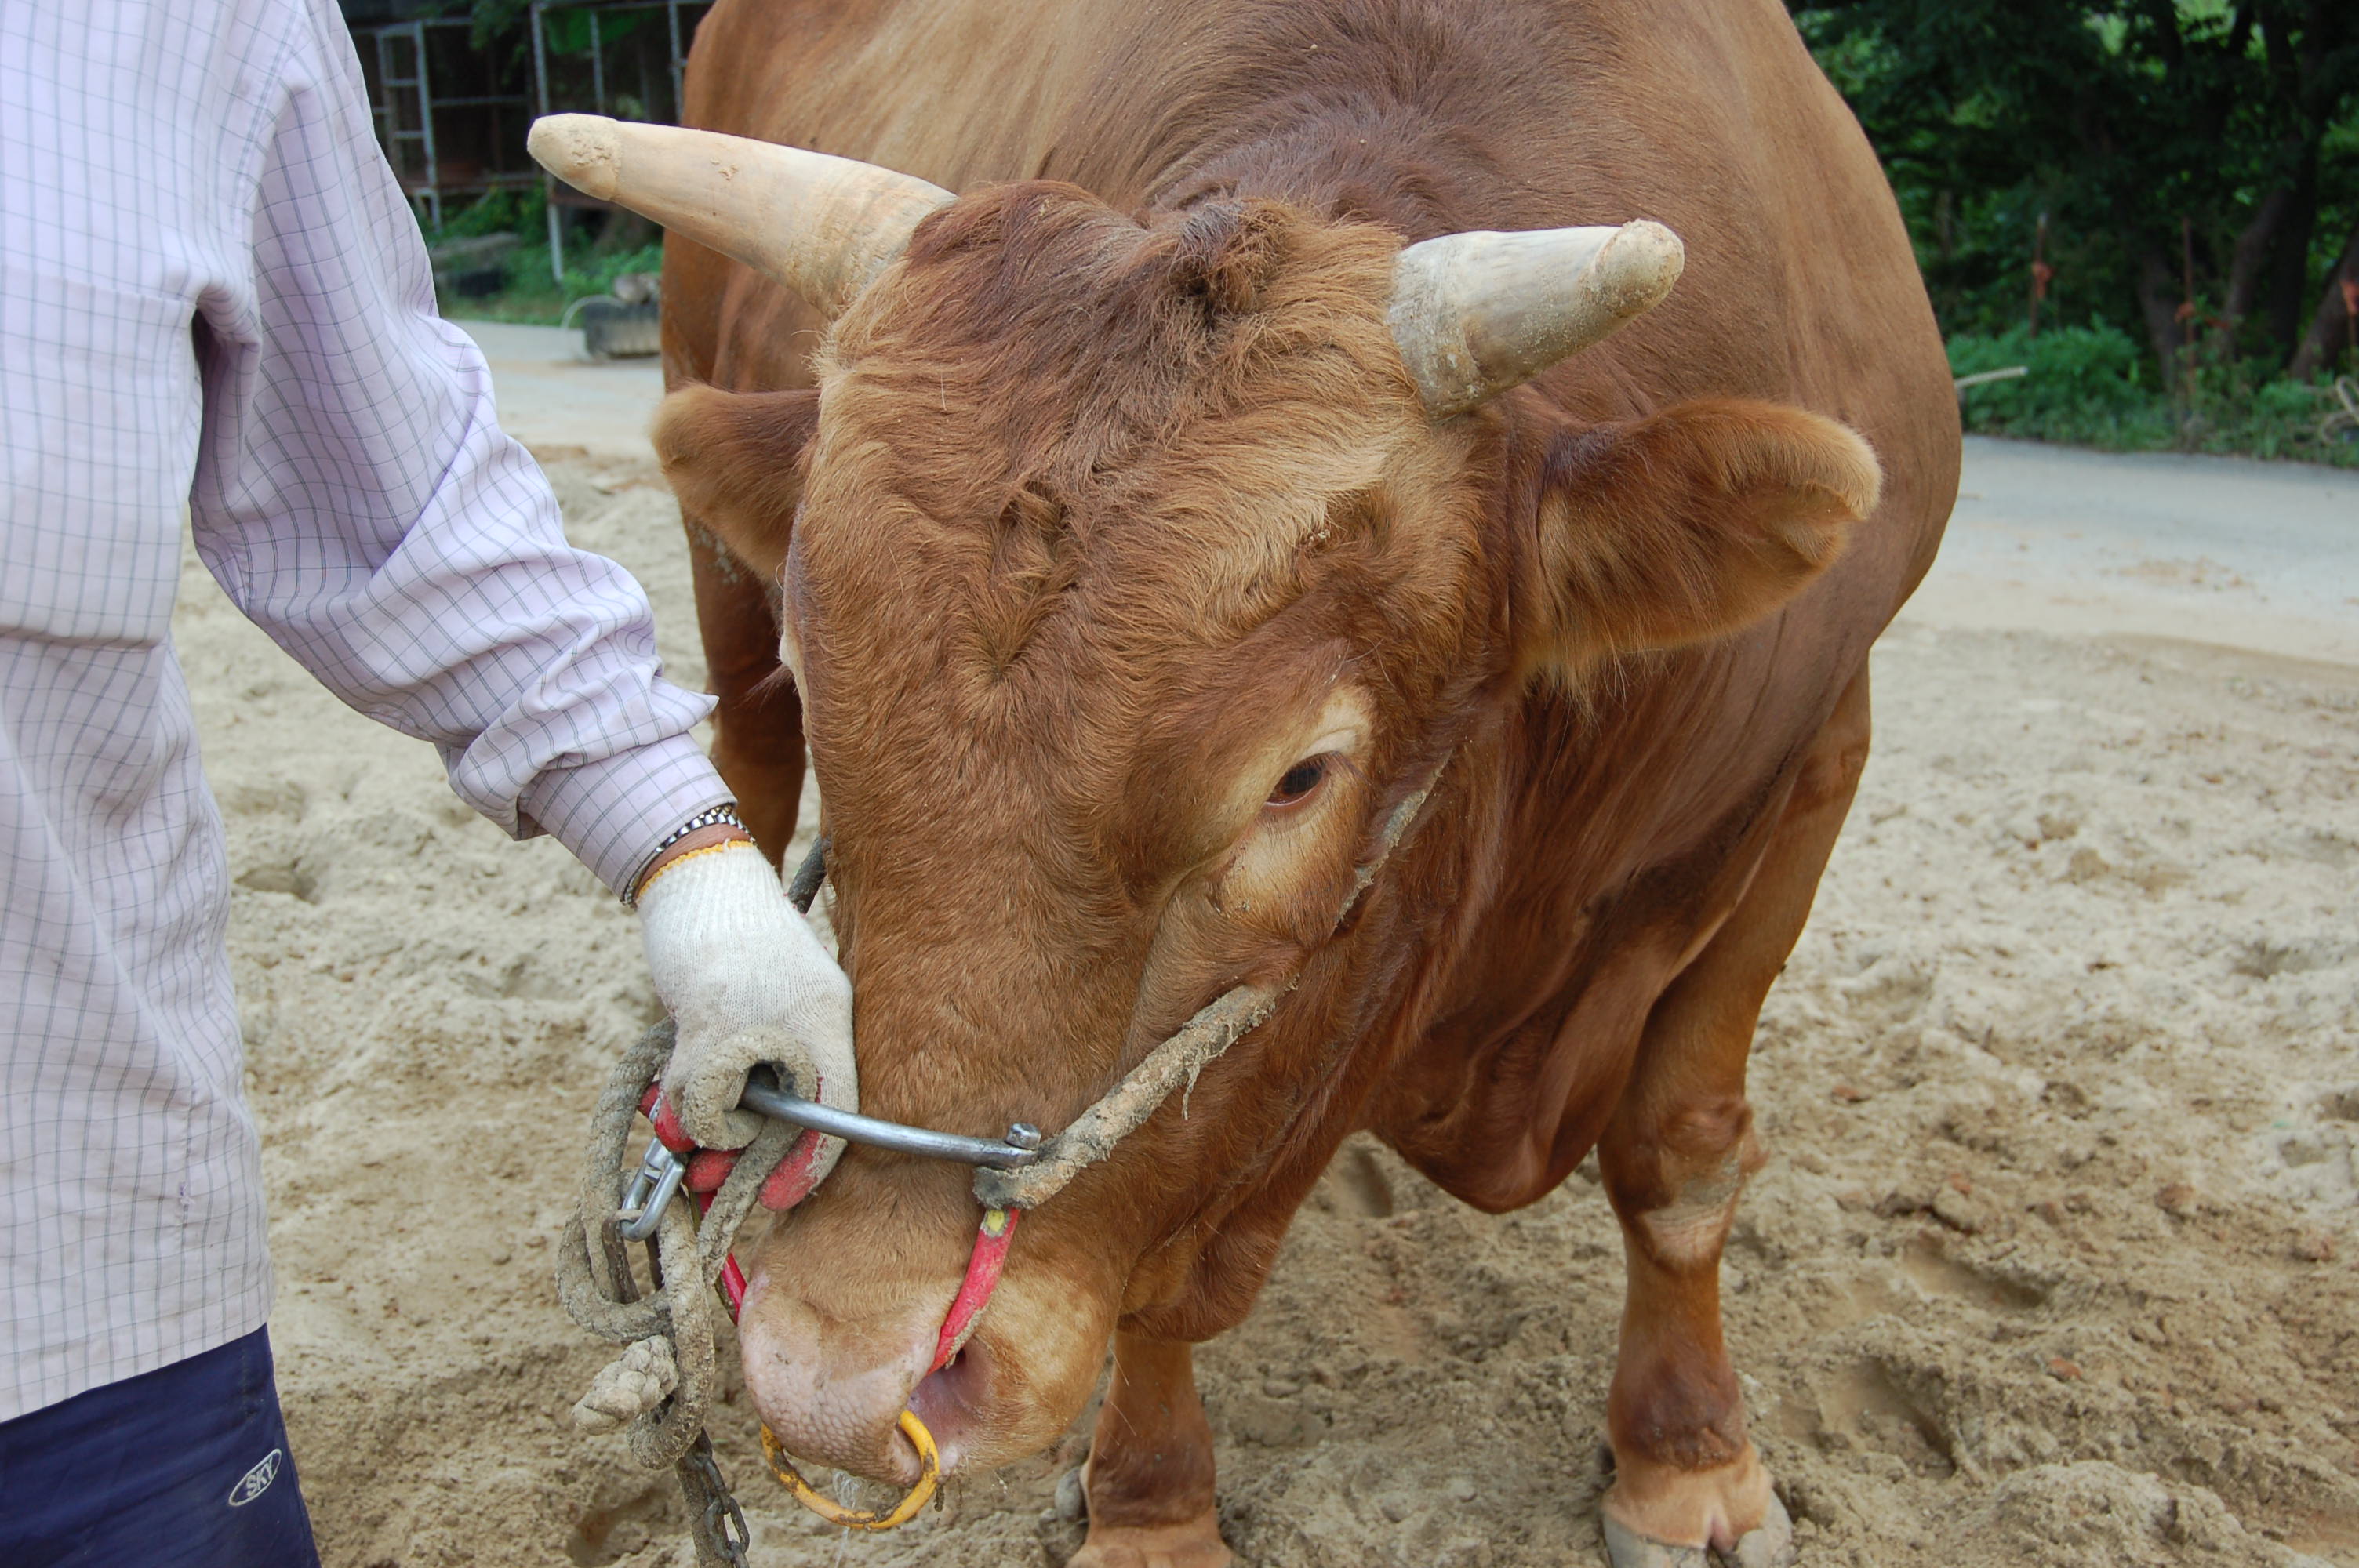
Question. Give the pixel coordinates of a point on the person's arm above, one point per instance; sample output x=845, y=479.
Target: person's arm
x=356, y=499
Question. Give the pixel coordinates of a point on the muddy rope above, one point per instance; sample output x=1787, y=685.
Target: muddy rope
x=662, y=1383
x=1091, y=1136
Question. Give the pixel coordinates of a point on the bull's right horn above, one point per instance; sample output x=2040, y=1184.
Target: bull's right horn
x=824, y=226
x=1477, y=313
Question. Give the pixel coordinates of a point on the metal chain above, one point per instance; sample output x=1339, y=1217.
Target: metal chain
x=715, y=1520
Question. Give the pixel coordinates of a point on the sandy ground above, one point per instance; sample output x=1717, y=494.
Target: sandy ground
x=2053, y=1262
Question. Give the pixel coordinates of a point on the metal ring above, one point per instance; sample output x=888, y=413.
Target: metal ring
x=929, y=1476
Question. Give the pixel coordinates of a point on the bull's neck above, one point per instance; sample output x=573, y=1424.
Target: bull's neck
x=1308, y=104
x=1329, y=173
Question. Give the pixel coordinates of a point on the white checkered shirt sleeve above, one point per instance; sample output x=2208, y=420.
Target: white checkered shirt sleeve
x=211, y=295
x=355, y=497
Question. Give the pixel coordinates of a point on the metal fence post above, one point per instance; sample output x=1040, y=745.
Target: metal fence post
x=679, y=90
x=548, y=180
x=597, y=64
x=426, y=121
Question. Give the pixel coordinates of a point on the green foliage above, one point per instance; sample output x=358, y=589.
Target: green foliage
x=2084, y=385
x=2230, y=409
x=496, y=213
x=532, y=293
x=2195, y=165
x=2077, y=376
x=2159, y=139
x=594, y=273
x=505, y=24
x=567, y=31
x=2094, y=386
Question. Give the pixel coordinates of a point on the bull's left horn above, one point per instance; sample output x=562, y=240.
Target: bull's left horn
x=1479, y=312
x=821, y=225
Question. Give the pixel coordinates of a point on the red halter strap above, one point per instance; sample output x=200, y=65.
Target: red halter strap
x=983, y=1267
x=709, y=1167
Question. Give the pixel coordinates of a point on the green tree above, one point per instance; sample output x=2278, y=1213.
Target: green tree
x=2189, y=156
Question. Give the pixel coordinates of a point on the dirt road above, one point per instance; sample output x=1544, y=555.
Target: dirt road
x=2053, y=1262
x=2248, y=554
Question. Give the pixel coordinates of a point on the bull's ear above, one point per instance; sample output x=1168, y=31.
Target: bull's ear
x=734, y=459
x=1690, y=524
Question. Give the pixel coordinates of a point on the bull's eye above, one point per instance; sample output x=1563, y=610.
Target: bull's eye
x=1300, y=780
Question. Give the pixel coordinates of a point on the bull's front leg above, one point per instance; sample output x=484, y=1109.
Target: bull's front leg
x=1687, y=1478
x=1149, y=1477
x=758, y=725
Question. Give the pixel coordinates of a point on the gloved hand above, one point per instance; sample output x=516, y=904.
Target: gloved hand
x=746, y=982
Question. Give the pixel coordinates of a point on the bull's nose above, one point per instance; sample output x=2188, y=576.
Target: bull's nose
x=843, y=1314
x=834, y=1391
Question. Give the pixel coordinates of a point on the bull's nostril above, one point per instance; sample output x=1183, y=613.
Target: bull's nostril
x=952, y=1399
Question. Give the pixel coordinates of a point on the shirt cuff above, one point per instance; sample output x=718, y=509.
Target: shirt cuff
x=613, y=812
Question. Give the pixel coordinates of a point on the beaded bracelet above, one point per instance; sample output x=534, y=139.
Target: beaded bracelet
x=722, y=816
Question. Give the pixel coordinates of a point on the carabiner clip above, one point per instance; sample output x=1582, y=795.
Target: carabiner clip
x=649, y=1192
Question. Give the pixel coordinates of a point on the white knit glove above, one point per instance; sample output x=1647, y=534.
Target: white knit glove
x=746, y=982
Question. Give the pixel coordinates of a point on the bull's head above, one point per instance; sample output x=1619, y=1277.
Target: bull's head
x=1131, y=573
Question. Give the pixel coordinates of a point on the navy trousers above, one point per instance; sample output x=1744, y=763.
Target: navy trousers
x=182, y=1468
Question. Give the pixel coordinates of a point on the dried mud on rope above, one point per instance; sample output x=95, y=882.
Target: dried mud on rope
x=658, y=1390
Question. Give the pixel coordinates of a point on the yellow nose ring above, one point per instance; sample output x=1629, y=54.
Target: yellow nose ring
x=929, y=1476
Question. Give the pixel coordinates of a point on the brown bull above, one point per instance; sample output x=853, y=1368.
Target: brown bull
x=1135, y=556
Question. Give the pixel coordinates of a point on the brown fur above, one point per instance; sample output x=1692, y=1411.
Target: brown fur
x=1116, y=485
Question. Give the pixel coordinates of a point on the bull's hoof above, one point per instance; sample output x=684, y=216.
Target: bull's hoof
x=1770, y=1545
x=1195, y=1544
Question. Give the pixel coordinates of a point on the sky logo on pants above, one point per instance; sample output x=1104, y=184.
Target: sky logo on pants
x=256, y=1481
